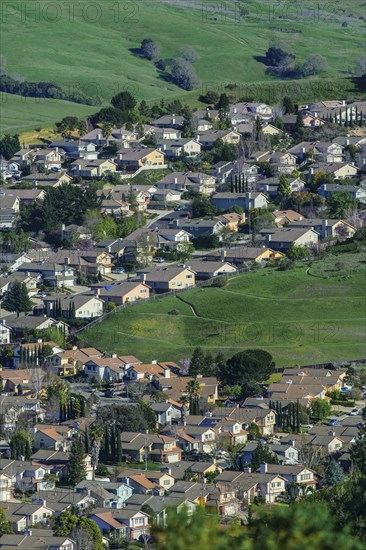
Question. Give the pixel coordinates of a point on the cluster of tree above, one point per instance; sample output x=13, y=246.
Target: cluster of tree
x=20, y=445
x=249, y=369
x=46, y=90
x=85, y=532
x=69, y=124
x=202, y=207
x=77, y=466
x=5, y=525
x=35, y=356
x=262, y=455
x=72, y=408
x=127, y=418
x=15, y=241
x=281, y=62
x=120, y=112
x=320, y=409
x=341, y=204
x=183, y=74
x=17, y=299
x=301, y=525
x=288, y=418
x=9, y=145
x=205, y=363
x=238, y=183
x=298, y=252
x=220, y=151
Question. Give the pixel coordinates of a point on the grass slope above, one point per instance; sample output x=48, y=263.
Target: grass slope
x=300, y=316
x=87, y=47
x=18, y=114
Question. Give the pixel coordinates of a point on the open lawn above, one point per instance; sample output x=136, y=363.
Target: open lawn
x=90, y=47
x=298, y=317
x=21, y=114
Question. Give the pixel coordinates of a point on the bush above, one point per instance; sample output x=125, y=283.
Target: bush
x=219, y=282
x=174, y=312
x=342, y=403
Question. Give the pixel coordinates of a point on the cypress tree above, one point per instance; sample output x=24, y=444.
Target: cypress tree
x=73, y=310
x=86, y=440
x=77, y=468
x=119, y=448
x=113, y=443
x=82, y=407
x=297, y=416
x=231, y=184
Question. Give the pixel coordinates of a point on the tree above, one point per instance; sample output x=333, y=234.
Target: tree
x=288, y=105
x=77, y=467
x=202, y=206
x=149, y=49
x=17, y=299
x=197, y=363
x=92, y=529
x=333, y=473
x=188, y=53
x=297, y=252
x=277, y=57
x=262, y=455
x=184, y=75
x=312, y=65
x=284, y=189
x=320, y=408
x=341, y=203
x=124, y=101
x=5, y=525
x=248, y=369
x=9, y=145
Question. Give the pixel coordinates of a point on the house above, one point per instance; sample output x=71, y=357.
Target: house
x=46, y=159
x=35, y=541
x=208, y=139
x=270, y=130
x=133, y=159
x=270, y=185
x=176, y=387
x=207, y=270
x=89, y=262
x=72, y=361
x=167, y=195
x=9, y=210
x=54, y=179
x=318, y=150
x=117, y=208
x=303, y=476
x=31, y=350
x=10, y=379
x=105, y=368
x=161, y=480
x=179, y=147
x=283, y=163
x=199, y=228
x=56, y=438
x=326, y=190
x=168, y=278
x=164, y=412
x=31, y=322
x=232, y=220
x=123, y=292
x=282, y=239
x=150, y=371
x=155, y=447
x=224, y=171
x=285, y=217
x=90, y=169
x=247, y=201
x=339, y=170
x=114, y=247
x=326, y=228
x=329, y=443
x=25, y=196
x=19, y=405
x=78, y=306
x=5, y=332
x=188, y=181
x=169, y=121
x=130, y=524
x=69, y=231
x=105, y=493
x=54, y=274
x=243, y=254
x=74, y=149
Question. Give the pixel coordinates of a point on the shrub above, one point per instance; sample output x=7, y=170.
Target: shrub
x=219, y=282
x=174, y=312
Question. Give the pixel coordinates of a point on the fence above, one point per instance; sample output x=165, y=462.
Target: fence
x=154, y=297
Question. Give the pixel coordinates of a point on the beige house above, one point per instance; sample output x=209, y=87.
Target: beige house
x=96, y=168
x=126, y=291
x=169, y=278
x=284, y=238
x=133, y=159
x=271, y=130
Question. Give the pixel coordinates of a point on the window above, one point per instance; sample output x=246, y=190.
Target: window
x=139, y=521
x=166, y=482
x=303, y=477
x=276, y=484
x=189, y=276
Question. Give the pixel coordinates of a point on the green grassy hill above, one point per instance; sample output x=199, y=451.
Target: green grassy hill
x=88, y=49
x=300, y=316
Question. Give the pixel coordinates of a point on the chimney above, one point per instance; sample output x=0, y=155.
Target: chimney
x=67, y=261
x=166, y=372
x=175, y=180
x=198, y=138
x=143, y=277
x=114, y=355
x=35, y=184
x=173, y=119
x=347, y=140
x=247, y=469
x=223, y=255
x=311, y=171
x=343, y=102
x=2, y=321
x=176, y=222
x=39, y=341
x=263, y=468
x=96, y=291
x=63, y=227
x=303, y=149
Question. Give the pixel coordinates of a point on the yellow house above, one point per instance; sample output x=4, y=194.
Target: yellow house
x=232, y=220
x=169, y=278
x=133, y=159
x=271, y=130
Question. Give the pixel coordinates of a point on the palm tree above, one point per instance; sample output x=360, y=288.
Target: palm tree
x=106, y=131
x=193, y=388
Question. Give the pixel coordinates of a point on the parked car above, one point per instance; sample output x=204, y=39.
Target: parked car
x=41, y=295
x=118, y=270
x=332, y=422
x=159, y=260
x=354, y=412
x=306, y=426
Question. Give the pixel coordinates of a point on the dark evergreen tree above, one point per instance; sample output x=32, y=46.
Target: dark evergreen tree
x=77, y=467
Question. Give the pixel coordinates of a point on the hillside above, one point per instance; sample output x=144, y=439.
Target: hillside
x=90, y=48
x=300, y=316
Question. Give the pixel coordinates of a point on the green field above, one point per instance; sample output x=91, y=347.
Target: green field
x=18, y=114
x=301, y=316
x=86, y=46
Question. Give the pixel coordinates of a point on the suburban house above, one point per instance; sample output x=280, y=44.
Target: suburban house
x=9, y=210
x=133, y=159
x=286, y=217
x=207, y=270
x=130, y=524
x=326, y=190
x=326, y=228
x=304, y=477
x=241, y=255
x=120, y=293
x=247, y=201
x=186, y=181
x=208, y=139
x=198, y=228
x=54, y=274
x=282, y=239
x=96, y=168
x=340, y=171
x=43, y=180
x=80, y=306
x=168, y=278
x=270, y=185
x=74, y=149
x=179, y=147
x=32, y=322
x=5, y=332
